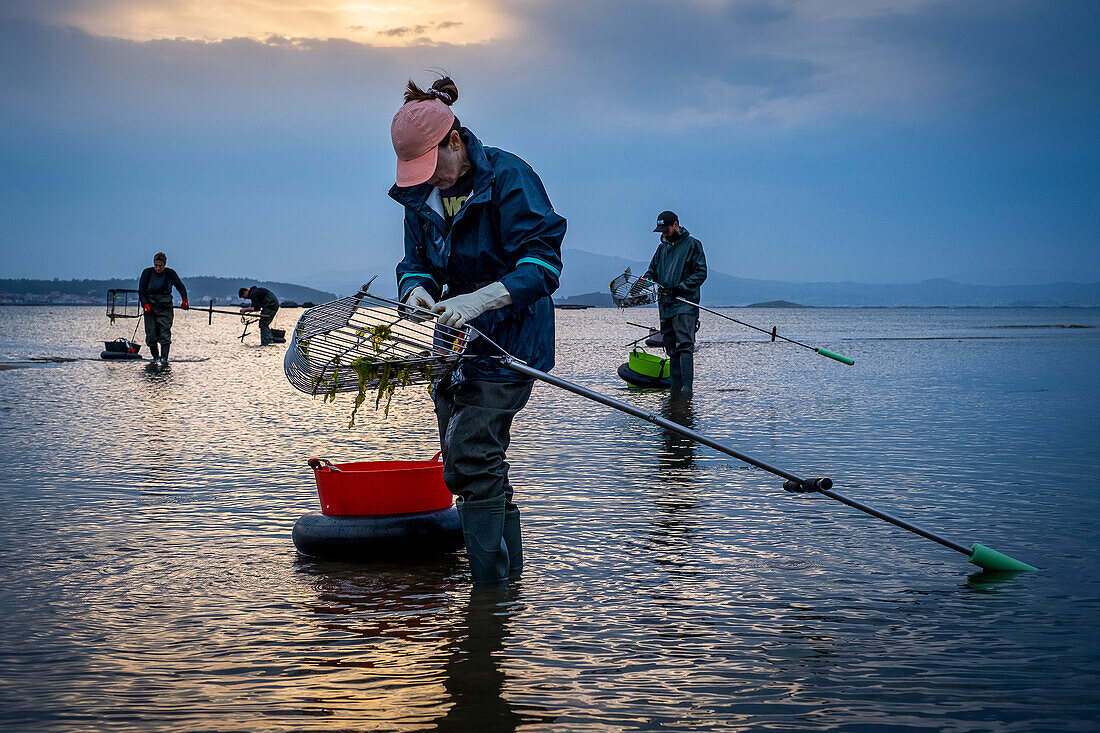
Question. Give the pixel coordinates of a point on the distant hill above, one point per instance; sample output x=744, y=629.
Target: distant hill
x=777, y=304
x=200, y=290
x=587, y=272
x=602, y=300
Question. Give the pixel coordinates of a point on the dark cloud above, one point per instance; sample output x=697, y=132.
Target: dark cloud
x=403, y=31
x=794, y=63
x=418, y=31
x=1011, y=53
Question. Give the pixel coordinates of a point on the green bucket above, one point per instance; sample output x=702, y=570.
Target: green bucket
x=647, y=364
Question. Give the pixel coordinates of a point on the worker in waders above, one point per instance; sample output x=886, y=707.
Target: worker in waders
x=155, y=296
x=482, y=245
x=679, y=269
x=264, y=301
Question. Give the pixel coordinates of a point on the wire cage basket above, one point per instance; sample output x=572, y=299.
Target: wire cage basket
x=123, y=304
x=365, y=340
x=630, y=290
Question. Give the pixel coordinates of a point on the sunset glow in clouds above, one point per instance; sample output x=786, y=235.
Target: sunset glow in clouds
x=376, y=24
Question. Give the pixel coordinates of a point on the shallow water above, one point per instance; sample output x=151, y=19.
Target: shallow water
x=149, y=581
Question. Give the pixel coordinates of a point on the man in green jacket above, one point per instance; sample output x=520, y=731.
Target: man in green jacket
x=679, y=269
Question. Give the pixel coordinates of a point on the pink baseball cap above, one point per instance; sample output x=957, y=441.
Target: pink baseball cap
x=417, y=129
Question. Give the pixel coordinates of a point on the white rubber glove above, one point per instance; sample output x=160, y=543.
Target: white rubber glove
x=420, y=298
x=456, y=311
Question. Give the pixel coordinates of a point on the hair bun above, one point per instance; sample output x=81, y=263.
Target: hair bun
x=445, y=90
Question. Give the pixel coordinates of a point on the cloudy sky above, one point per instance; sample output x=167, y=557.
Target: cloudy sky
x=868, y=140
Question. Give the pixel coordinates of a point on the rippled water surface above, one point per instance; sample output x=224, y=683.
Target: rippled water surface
x=149, y=581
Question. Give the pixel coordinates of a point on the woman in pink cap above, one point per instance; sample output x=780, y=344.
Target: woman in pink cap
x=482, y=245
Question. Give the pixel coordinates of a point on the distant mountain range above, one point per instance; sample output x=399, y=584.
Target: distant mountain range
x=584, y=282
x=200, y=291
x=586, y=273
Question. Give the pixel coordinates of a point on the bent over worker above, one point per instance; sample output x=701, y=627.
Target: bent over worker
x=482, y=245
x=155, y=296
x=679, y=268
x=264, y=301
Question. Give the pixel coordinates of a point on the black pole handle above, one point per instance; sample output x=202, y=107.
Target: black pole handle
x=808, y=485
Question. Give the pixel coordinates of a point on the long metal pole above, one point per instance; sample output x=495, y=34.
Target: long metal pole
x=817, y=350
x=749, y=325
x=773, y=334
x=795, y=483
x=209, y=310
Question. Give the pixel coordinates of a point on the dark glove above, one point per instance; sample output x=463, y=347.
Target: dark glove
x=669, y=292
x=147, y=308
x=184, y=304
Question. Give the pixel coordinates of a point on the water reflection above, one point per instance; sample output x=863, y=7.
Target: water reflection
x=148, y=571
x=371, y=608
x=473, y=678
x=675, y=522
x=986, y=581
x=678, y=452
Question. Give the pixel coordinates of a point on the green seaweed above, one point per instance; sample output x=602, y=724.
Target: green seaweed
x=367, y=371
x=426, y=370
x=379, y=334
x=330, y=395
x=384, y=388
x=384, y=374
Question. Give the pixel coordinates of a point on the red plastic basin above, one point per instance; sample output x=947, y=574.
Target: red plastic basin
x=380, y=487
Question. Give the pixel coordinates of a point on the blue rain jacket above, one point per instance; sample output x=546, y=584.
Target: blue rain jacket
x=507, y=230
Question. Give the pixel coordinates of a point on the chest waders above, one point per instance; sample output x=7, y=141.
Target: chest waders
x=267, y=315
x=158, y=324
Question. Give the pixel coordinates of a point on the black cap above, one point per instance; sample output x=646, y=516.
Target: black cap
x=664, y=220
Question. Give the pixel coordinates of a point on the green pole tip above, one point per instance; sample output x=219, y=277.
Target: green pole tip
x=989, y=559
x=838, y=357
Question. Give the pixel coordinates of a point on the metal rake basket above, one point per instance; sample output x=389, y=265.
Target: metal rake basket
x=630, y=290
x=365, y=340
x=122, y=304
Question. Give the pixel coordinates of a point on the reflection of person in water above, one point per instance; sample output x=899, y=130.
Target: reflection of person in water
x=677, y=451
x=474, y=679
x=400, y=604
x=672, y=536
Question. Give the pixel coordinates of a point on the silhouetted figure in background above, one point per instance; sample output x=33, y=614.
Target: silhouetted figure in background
x=264, y=301
x=155, y=296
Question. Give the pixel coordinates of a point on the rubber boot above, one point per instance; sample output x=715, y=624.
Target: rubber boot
x=266, y=338
x=687, y=373
x=154, y=350
x=675, y=380
x=483, y=530
x=513, y=540
x=164, y=349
